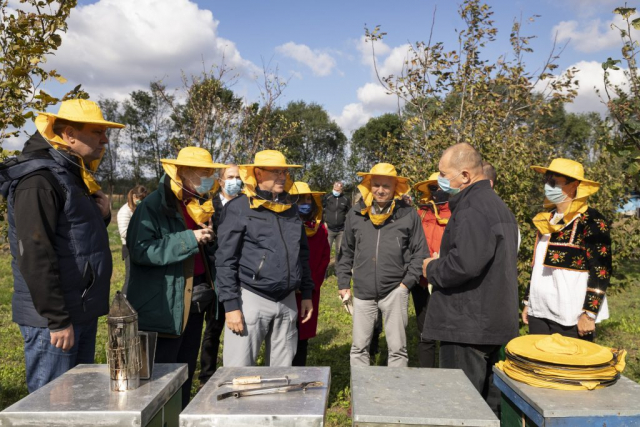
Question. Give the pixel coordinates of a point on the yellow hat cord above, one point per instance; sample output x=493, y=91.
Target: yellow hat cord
x=441, y=221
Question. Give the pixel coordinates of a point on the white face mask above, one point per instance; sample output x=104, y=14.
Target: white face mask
x=232, y=186
x=554, y=194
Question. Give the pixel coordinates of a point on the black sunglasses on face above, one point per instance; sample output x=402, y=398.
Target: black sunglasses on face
x=550, y=178
x=433, y=188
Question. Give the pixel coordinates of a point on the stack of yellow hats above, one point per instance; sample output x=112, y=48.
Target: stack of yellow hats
x=561, y=363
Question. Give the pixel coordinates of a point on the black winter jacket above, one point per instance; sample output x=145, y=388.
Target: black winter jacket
x=262, y=251
x=380, y=258
x=475, y=280
x=334, y=211
x=61, y=259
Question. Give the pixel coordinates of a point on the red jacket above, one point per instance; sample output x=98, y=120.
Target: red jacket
x=319, y=254
x=433, y=230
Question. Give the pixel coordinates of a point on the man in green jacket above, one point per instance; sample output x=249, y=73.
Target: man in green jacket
x=169, y=240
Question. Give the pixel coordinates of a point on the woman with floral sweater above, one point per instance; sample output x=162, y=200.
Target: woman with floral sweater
x=572, y=257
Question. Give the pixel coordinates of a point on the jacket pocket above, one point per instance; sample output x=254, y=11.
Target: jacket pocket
x=88, y=279
x=256, y=275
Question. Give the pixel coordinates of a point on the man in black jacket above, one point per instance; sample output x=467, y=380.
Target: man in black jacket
x=61, y=259
x=382, y=251
x=335, y=207
x=474, y=305
x=261, y=260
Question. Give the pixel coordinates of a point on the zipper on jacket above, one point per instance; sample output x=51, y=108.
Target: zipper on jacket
x=375, y=269
x=257, y=274
x=286, y=252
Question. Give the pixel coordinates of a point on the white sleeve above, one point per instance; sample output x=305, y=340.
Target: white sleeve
x=124, y=216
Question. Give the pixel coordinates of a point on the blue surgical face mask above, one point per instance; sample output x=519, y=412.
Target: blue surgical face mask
x=206, y=184
x=554, y=194
x=445, y=185
x=305, y=208
x=336, y=193
x=232, y=186
x=137, y=202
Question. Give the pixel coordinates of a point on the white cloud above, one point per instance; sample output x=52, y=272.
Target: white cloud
x=366, y=54
x=352, y=117
x=590, y=79
x=375, y=98
x=115, y=46
x=395, y=62
x=14, y=142
x=592, y=36
x=321, y=63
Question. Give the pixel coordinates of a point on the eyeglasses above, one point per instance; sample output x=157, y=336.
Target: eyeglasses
x=283, y=172
x=433, y=188
x=551, y=179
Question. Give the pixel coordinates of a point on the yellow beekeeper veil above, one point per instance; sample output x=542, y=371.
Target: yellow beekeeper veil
x=381, y=169
x=426, y=198
x=78, y=111
x=301, y=189
x=200, y=207
x=265, y=159
x=586, y=188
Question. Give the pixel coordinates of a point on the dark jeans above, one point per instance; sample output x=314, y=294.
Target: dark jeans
x=183, y=349
x=211, y=341
x=300, y=358
x=540, y=326
x=426, y=347
x=477, y=362
x=44, y=362
x=127, y=267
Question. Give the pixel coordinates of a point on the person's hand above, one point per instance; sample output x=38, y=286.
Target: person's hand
x=586, y=325
x=426, y=262
x=203, y=236
x=235, y=321
x=63, y=339
x=525, y=315
x=306, y=310
x=344, y=292
x=103, y=203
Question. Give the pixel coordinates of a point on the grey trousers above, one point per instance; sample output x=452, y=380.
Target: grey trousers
x=273, y=323
x=395, y=315
x=337, y=237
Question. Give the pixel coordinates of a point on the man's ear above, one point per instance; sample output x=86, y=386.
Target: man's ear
x=69, y=134
x=466, y=177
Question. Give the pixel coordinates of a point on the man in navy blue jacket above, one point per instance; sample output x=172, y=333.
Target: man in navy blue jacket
x=261, y=261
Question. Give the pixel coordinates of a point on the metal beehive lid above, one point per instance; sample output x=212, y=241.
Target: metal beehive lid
x=121, y=310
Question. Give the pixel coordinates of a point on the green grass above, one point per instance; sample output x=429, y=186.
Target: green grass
x=329, y=348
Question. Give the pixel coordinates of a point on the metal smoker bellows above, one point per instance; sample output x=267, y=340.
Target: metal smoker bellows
x=123, y=345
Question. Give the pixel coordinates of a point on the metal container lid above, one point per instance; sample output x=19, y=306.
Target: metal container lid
x=121, y=310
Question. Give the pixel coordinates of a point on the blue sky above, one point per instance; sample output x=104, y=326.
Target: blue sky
x=116, y=46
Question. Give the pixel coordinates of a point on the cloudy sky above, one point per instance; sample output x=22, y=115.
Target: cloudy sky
x=116, y=46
